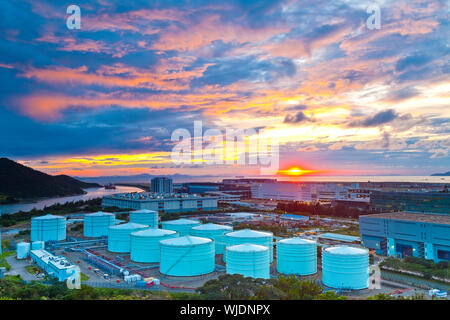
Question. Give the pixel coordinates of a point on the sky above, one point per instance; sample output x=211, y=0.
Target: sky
x=340, y=98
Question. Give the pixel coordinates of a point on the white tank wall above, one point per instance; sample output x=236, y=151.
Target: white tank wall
x=345, y=267
x=23, y=250
x=147, y=217
x=216, y=233
x=96, y=225
x=248, y=260
x=145, y=244
x=254, y=237
x=48, y=228
x=187, y=259
x=119, y=236
x=38, y=245
x=297, y=256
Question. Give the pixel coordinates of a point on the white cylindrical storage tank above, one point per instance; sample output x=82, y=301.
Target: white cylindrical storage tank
x=23, y=250
x=97, y=224
x=187, y=256
x=345, y=267
x=38, y=245
x=145, y=244
x=144, y=216
x=250, y=236
x=119, y=236
x=249, y=260
x=297, y=256
x=48, y=228
x=182, y=226
x=213, y=231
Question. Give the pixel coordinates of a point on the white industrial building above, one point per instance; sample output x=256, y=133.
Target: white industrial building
x=161, y=202
x=282, y=191
x=55, y=266
x=309, y=192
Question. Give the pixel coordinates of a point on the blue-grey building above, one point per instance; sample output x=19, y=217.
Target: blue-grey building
x=407, y=234
x=420, y=202
x=161, y=185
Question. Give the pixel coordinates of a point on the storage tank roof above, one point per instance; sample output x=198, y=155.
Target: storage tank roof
x=48, y=216
x=297, y=240
x=129, y=225
x=144, y=211
x=98, y=214
x=212, y=226
x=247, y=247
x=345, y=250
x=153, y=233
x=185, y=241
x=182, y=221
x=247, y=233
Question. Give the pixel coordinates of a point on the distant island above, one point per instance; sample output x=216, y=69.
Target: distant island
x=18, y=182
x=446, y=174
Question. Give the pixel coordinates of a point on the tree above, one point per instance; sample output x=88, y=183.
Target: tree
x=230, y=287
x=330, y=295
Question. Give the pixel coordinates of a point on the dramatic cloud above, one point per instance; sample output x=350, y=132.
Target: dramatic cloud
x=106, y=98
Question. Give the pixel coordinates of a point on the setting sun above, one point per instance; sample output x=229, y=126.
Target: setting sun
x=295, y=171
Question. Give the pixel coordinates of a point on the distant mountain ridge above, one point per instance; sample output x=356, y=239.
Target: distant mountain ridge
x=445, y=174
x=138, y=178
x=21, y=182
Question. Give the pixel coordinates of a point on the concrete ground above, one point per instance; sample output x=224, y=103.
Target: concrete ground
x=18, y=268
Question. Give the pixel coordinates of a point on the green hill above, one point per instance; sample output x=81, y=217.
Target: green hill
x=20, y=182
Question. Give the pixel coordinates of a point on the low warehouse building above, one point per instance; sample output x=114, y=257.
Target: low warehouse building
x=161, y=202
x=55, y=266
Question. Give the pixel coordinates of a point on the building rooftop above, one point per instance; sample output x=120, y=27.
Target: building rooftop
x=154, y=196
x=59, y=262
x=339, y=237
x=408, y=216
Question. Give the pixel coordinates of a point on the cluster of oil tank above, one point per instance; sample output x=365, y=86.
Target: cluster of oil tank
x=185, y=247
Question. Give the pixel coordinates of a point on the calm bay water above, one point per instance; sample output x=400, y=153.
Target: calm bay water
x=413, y=179
x=92, y=193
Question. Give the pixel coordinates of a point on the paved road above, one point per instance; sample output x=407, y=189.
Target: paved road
x=18, y=268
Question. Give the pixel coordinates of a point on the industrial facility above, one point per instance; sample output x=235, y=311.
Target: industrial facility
x=407, y=234
x=184, y=250
x=161, y=202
